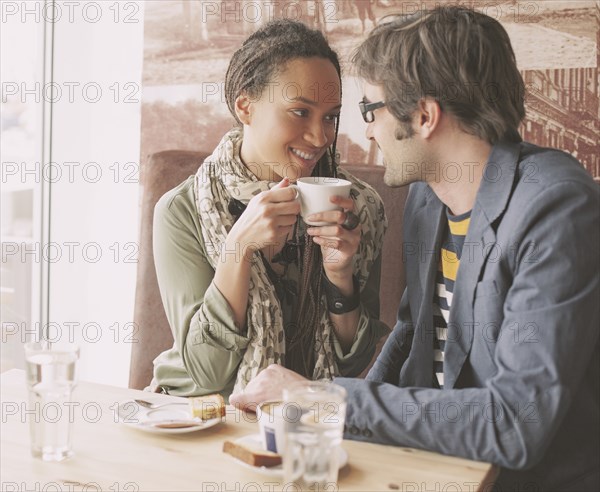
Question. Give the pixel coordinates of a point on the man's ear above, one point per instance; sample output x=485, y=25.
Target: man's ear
x=429, y=114
x=243, y=109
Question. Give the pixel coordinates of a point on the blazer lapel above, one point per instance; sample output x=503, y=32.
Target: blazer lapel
x=491, y=201
x=429, y=228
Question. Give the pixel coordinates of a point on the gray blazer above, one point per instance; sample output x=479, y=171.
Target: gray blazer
x=522, y=365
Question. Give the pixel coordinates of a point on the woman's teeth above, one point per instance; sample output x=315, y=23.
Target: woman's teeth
x=304, y=155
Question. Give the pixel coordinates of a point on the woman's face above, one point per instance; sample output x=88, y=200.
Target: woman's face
x=291, y=125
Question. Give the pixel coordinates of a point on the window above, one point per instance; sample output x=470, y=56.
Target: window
x=21, y=187
x=70, y=179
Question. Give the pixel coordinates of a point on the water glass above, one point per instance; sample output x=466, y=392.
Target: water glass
x=51, y=378
x=314, y=424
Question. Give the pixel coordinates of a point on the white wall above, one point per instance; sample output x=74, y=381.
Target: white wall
x=98, y=50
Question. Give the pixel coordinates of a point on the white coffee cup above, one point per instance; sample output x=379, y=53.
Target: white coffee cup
x=315, y=192
x=271, y=420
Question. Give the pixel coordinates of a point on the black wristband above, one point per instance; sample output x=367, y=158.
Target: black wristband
x=338, y=303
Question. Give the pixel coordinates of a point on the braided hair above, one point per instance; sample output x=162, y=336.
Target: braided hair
x=265, y=54
x=262, y=57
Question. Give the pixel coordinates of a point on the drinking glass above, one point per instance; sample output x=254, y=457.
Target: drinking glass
x=314, y=424
x=51, y=378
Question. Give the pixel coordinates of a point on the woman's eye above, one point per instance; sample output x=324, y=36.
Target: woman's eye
x=300, y=112
x=332, y=117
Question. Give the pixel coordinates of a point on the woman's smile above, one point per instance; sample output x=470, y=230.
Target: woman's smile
x=305, y=158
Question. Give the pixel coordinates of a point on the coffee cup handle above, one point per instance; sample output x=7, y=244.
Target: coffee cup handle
x=296, y=189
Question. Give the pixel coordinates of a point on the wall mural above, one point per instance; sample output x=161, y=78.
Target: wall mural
x=188, y=44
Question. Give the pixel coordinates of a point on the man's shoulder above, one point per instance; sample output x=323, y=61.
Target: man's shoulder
x=549, y=184
x=543, y=167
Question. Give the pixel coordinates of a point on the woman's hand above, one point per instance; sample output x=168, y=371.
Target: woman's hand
x=268, y=219
x=338, y=245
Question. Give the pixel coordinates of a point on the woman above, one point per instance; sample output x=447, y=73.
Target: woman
x=243, y=280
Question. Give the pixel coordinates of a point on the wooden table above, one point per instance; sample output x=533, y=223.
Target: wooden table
x=112, y=456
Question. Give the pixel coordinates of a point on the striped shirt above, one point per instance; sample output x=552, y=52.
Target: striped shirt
x=444, y=286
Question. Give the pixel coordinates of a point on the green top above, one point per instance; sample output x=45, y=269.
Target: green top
x=208, y=346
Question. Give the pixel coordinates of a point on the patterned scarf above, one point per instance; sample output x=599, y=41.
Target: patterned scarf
x=222, y=177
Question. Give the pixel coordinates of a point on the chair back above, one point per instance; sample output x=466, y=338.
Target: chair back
x=161, y=172
x=393, y=280
x=165, y=170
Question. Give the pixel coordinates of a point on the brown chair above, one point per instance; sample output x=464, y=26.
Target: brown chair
x=162, y=172
x=392, y=269
x=165, y=170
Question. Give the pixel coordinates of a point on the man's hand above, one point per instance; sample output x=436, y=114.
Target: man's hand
x=268, y=385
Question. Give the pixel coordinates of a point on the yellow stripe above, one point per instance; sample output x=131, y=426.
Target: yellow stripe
x=460, y=228
x=450, y=264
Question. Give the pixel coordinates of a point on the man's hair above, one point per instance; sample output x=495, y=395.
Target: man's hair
x=266, y=53
x=461, y=58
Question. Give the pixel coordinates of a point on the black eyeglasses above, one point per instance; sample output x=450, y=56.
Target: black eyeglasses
x=367, y=108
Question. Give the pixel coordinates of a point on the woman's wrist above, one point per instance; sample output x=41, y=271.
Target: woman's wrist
x=236, y=247
x=343, y=280
x=234, y=255
x=341, y=301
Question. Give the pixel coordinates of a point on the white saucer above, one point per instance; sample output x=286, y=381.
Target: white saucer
x=253, y=441
x=158, y=421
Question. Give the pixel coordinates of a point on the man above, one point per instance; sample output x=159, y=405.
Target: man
x=495, y=354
